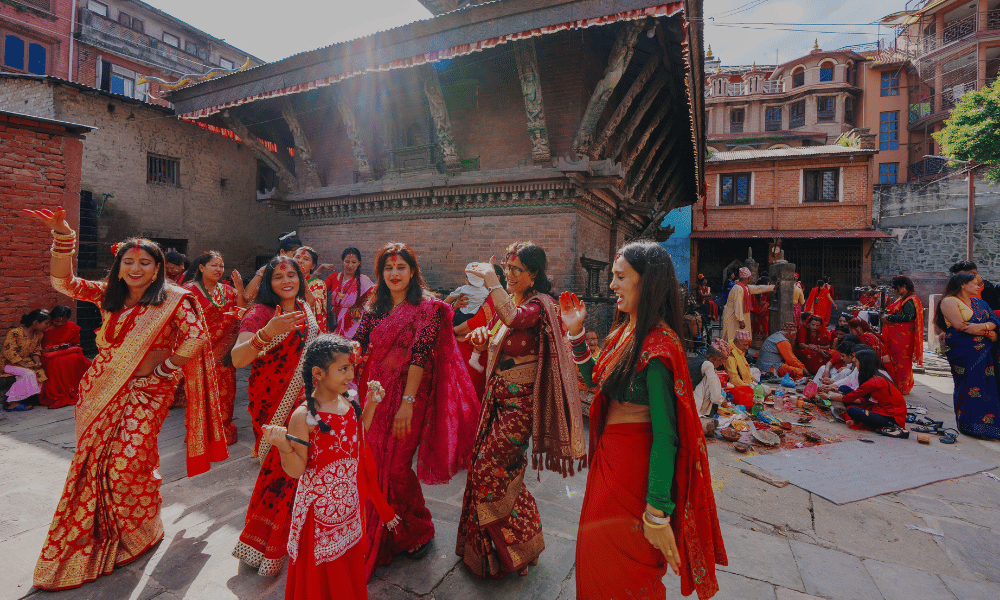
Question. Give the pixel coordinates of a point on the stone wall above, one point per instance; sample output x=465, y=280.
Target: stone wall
x=934, y=248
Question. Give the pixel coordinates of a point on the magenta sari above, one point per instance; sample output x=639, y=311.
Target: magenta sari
x=445, y=418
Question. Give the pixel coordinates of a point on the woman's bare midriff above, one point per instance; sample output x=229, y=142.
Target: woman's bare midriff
x=152, y=359
x=625, y=412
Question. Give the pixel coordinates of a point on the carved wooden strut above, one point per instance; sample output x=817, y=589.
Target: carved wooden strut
x=285, y=176
x=442, y=122
x=353, y=135
x=302, y=148
x=531, y=88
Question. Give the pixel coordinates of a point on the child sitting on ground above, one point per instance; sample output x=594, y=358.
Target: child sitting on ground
x=324, y=447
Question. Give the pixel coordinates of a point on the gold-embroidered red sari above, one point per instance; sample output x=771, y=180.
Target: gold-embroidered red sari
x=109, y=512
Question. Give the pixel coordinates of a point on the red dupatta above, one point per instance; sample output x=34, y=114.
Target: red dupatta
x=747, y=298
x=67, y=333
x=695, y=521
x=918, y=324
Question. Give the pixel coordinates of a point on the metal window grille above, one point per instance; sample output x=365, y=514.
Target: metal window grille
x=772, y=119
x=821, y=185
x=826, y=74
x=735, y=189
x=797, y=115
x=163, y=170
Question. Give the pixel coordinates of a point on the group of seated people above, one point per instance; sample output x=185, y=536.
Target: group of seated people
x=848, y=366
x=42, y=360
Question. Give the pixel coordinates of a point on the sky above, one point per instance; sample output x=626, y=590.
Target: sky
x=742, y=32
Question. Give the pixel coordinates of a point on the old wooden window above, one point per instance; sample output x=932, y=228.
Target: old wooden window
x=138, y=25
x=736, y=117
x=849, y=110
x=826, y=109
x=797, y=114
x=821, y=185
x=191, y=48
x=124, y=20
x=98, y=8
x=225, y=63
x=772, y=119
x=160, y=169
x=26, y=56
x=171, y=40
x=734, y=188
x=799, y=78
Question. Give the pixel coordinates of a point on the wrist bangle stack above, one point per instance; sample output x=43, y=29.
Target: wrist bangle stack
x=258, y=341
x=578, y=344
x=654, y=522
x=63, y=244
x=494, y=287
x=165, y=368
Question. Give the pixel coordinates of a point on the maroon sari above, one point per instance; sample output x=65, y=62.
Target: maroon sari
x=64, y=366
x=443, y=426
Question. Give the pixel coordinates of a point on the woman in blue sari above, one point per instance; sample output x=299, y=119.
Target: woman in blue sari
x=970, y=328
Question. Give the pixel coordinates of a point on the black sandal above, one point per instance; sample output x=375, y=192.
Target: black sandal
x=948, y=435
x=419, y=552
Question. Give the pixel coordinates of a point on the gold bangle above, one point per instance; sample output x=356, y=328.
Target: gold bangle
x=63, y=236
x=653, y=525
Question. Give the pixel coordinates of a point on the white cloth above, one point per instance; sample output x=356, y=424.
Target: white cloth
x=709, y=389
x=477, y=295
x=836, y=375
x=25, y=386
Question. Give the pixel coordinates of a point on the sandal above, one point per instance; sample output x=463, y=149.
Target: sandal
x=948, y=435
x=420, y=551
x=22, y=408
x=923, y=429
x=934, y=425
x=917, y=410
x=894, y=431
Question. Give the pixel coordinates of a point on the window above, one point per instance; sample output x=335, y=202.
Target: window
x=36, y=59
x=13, y=52
x=799, y=78
x=890, y=83
x=42, y=4
x=124, y=20
x=797, y=114
x=122, y=84
x=191, y=48
x=227, y=64
x=736, y=117
x=138, y=25
x=820, y=185
x=887, y=172
x=888, y=130
x=98, y=8
x=826, y=109
x=163, y=170
x=826, y=72
x=772, y=119
x=24, y=56
x=849, y=110
x=734, y=188
x=119, y=80
x=171, y=40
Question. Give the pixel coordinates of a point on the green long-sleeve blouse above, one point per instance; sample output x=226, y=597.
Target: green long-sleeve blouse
x=654, y=387
x=906, y=314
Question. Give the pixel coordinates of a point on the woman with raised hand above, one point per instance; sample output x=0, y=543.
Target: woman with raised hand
x=273, y=337
x=649, y=500
x=109, y=512
x=223, y=307
x=308, y=259
x=408, y=344
x=532, y=394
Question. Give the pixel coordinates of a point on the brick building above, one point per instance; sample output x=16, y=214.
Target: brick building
x=35, y=37
x=574, y=123
x=814, y=203
x=39, y=167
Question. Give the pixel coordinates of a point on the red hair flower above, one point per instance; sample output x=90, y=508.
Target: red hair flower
x=355, y=357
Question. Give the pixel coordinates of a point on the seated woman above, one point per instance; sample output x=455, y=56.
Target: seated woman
x=869, y=338
x=776, y=354
x=877, y=403
x=22, y=359
x=812, y=345
x=738, y=369
x=62, y=359
x=841, y=361
x=708, y=392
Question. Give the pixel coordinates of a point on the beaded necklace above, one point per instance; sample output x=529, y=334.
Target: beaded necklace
x=222, y=294
x=119, y=337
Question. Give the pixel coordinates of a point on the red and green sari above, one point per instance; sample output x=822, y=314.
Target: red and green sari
x=905, y=342
x=109, y=512
x=276, y=388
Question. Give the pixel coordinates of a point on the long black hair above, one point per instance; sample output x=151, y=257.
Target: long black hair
x=312, y=254
x=39, y=314
x=533, y=258
x=953, y=288
x=321, y=352
x=358, y=300
x=61, y=311
x=194, y=273
x=659, y=300
x=116, y=292
x=869, y=365
x=266, y=294
x=381, y=302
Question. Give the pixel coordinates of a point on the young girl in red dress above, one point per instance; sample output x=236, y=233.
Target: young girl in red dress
x=324, y=448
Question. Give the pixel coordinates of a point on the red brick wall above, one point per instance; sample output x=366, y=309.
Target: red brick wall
x=86, y=71
x=38, y=170
x=51, y=30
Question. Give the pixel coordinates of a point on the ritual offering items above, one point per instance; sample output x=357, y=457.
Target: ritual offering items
x=730, y=435
x=812, y=436
x=741, y=447
x=768, y=438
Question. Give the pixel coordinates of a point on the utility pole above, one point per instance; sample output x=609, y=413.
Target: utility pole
x=972, y=208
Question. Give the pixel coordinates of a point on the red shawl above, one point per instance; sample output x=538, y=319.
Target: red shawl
x=68, y=333
x=918, y=325
x=695, y=521
x=747, y=298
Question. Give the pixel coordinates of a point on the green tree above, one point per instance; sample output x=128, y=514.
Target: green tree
x=972, y=131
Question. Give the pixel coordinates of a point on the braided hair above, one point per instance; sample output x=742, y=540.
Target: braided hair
x=321, y=352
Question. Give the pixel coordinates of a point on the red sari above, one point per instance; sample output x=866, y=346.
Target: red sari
x=275, y=388
x=905, y=342
x=318, y=305
x=109, y=512
x=326, y=543
x=222, y=315
x=345, y=309
x=761, y=320
x=611, y=549
x=813, y=359
x=64, y=366
x=820, y=303
x=443, y=423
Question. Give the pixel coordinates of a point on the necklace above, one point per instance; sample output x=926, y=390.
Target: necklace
x=222, y=294
x=109, y=332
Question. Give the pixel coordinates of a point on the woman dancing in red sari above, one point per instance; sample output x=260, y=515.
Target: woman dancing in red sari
x=903, y=332
x=62, y=359
x=532, y=394
x=109, y=513
x=273, y=337
x=649, y=500
x=812, y=345
x=223, y=306
x=408, y=344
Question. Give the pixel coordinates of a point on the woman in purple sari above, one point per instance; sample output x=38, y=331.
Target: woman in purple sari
x=409, y=347
x=970, y=340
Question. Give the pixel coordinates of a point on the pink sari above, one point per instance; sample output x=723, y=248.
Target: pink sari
x=445, y=418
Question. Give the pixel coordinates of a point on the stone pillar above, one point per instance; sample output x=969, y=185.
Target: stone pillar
x=783, y=274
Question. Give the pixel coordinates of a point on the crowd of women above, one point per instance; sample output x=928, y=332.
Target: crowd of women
x=474, y=393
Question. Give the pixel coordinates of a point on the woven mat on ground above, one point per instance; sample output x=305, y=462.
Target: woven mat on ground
x=854, y=470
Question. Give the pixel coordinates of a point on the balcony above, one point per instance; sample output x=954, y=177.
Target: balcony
x=106, y=33
x=959, y=30
x=740, y=89
x=927, y=168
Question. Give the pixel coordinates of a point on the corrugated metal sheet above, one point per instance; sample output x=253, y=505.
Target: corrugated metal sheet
x=804, y=151
x=800, y=233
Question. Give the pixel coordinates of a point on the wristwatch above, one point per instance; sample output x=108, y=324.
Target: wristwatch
x=409, y=399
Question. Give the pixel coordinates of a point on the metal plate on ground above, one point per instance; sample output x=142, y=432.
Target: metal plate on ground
x=851, y=471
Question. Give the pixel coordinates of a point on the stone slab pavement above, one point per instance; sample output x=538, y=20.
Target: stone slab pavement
x=783, y=543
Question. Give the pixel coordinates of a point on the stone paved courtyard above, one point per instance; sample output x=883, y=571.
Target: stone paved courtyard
x=783, y=543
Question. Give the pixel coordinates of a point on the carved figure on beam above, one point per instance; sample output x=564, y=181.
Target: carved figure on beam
x=285, y=176
x=531, y=88
x=302, y=148
x=353, y=135
x=442, y=122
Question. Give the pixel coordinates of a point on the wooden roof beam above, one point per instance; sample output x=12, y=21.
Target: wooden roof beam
x=303, y=150
x=616, y=117
x=270, y=159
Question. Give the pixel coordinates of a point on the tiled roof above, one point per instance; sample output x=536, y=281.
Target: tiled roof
x=804, y=151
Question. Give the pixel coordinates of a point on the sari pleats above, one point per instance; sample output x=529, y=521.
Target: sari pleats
x=973, y=361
